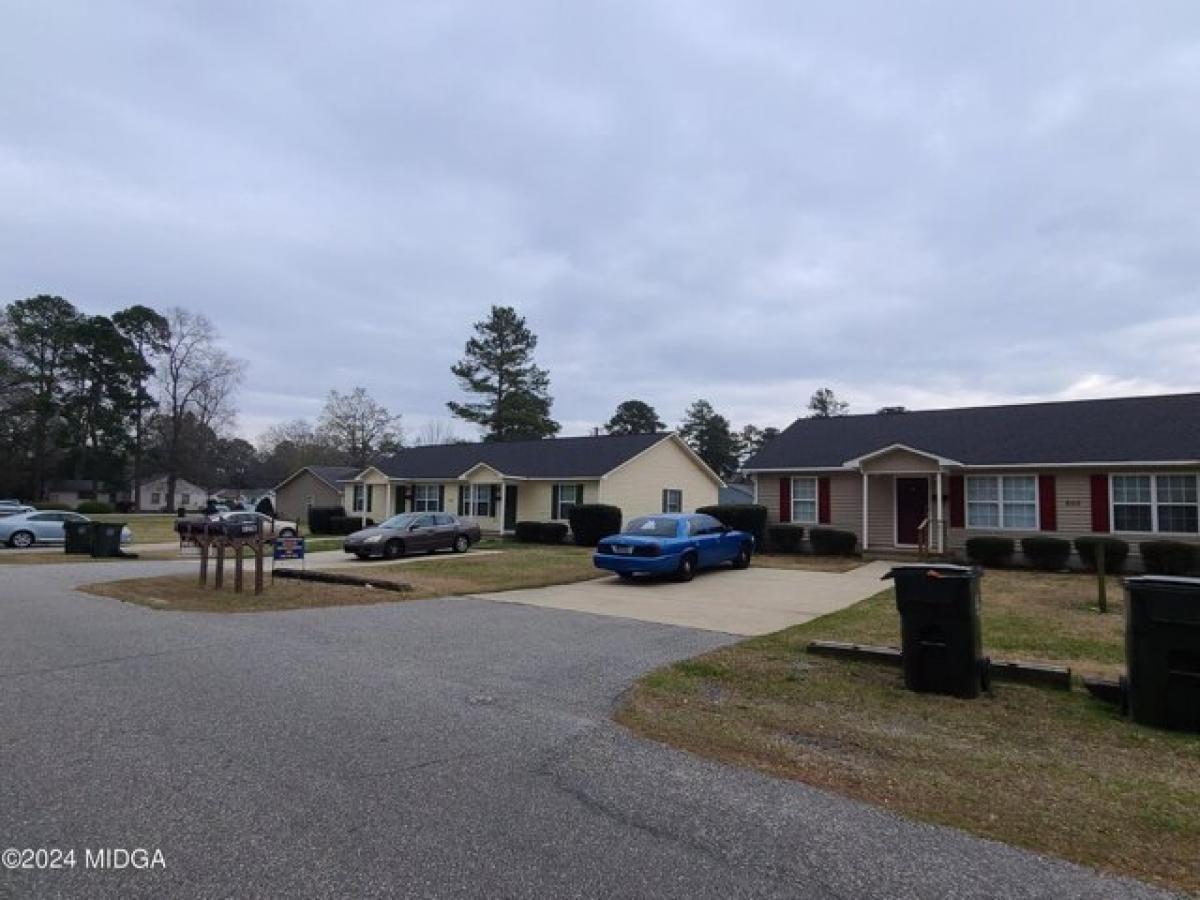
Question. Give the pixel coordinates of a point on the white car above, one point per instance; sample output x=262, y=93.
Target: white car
x=271, y=528
x=26, y=529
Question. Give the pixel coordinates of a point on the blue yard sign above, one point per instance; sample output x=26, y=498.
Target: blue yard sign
x=289, y=548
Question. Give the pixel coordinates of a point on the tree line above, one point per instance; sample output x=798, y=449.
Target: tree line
x=111, y=400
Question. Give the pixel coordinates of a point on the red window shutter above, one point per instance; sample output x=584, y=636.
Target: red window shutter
x=1047, y=503
x=823, y=512
x=958, y=504
x=785, y=499
x=1100, y=504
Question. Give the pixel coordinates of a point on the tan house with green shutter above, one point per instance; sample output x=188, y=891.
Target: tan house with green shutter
x=1126, y=466
x=500, y=484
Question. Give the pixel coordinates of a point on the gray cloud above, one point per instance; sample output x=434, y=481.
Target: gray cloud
x=926, y=204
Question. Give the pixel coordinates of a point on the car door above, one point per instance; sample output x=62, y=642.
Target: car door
x=423, y=534
x=48, y=526
x=701, y=530
x=447, y=531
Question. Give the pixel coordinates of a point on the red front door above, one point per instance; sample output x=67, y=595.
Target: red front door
x=912, y=508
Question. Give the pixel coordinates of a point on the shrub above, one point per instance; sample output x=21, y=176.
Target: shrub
x=319, y=516
x=94, y=508
x=1169, y=557
x=347, y=524
x=786, y=538
x=832, y=541
x=1047, y=553
x=266, y=507
x=541, y=532
x=1116, y=551
x=991, y=551
x=125, y=506
x=592, y=521
x=749, y=517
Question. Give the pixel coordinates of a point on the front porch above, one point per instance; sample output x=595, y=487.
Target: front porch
x=905, y=502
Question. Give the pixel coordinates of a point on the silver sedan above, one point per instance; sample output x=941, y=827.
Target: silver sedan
x=43, y=527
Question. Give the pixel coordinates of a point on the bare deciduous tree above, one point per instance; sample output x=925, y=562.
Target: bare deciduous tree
x=358, y=426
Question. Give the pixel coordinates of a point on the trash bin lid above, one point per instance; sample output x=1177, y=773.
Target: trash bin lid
x=942, y=570
x=1165, y=580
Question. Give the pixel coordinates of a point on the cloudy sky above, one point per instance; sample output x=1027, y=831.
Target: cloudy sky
x=926, y=204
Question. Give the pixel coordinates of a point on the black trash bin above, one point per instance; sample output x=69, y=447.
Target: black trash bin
x=1162, y=651
x=77, y=537
x=106, y=538
x=942, y=642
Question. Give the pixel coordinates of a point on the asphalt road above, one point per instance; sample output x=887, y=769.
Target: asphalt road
x=438, y=748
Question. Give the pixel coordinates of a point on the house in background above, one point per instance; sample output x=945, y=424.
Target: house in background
x=1126, y=467
x=736, y=494
x=500, y=484
x=73, y=491
x=243, y=497
x=309, y=487
x=152, y=495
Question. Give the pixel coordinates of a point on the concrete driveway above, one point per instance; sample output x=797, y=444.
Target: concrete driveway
x=758, y=600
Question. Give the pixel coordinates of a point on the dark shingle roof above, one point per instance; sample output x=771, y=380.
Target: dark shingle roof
x=331, y=475
x=1126, y=429
x=578, y=457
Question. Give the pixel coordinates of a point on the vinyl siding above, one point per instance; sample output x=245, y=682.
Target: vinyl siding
x=881, y=499
x=291, y=499
x=900, y=462
x=637, y=486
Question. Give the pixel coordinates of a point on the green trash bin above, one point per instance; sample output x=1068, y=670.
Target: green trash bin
x=1162, y=651
x=77, y=537
x=106, y=538
x=942, y=642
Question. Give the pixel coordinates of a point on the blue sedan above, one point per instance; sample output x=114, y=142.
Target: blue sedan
x=675, y=544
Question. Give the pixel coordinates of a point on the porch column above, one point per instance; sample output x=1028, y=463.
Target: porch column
x=941, y=540
x=389, y=491
x=499, y=511
x=866, y=484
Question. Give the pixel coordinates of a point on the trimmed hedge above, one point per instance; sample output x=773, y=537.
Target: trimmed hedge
x=991, y=551
x=348, y=524
x=1116, y=551
x=786, y=538
x=1049, y=553
x=319, y=517
x=750, y=517
x=832, y=541
x=541, y=532
x=94, y=508
x=592, y=521
x=1170, y=557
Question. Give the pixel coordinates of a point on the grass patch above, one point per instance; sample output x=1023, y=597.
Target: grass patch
x=806, y=563
x=440, y=576
x=319, y=544
x=1051, y=771
x=147, y=528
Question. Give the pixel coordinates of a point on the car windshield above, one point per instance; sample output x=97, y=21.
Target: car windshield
x=401, y=521
x=652, y=526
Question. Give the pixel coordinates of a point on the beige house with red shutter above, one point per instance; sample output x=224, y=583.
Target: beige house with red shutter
x=500, y=484
x=1128, y=467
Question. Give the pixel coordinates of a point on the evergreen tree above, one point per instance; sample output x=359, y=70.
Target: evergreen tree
x=824, y=404
x=498, y=367
x=634, y=417
x=710, y=435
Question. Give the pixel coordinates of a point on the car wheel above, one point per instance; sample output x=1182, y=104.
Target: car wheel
x=462, y=544
x=742, y=560
x=393, y=549
x=21, y=540
x=687, y=568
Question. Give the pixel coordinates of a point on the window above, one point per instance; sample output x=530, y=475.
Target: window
x=185, y=499
x=155, y=498
x=359, y=498
x=804, y=500
x=426, y=498
x=477, y=500
x=672, y=500
x=569, y=496
x=700, y=525
x=1166, y=503
x=1002, y=501
x=443, y=519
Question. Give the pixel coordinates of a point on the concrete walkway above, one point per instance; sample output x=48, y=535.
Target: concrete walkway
x=757, y=601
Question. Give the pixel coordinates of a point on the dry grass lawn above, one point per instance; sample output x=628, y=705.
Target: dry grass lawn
x=1053, y=771
x=147, y=528
x=440, y=576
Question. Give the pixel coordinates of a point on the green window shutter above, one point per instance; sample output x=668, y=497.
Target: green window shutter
x=399, y=498
x=554, y=502
x=441, y=498
x=462, y=499
x=664, y=500
x=495, y=510
x=370, y=496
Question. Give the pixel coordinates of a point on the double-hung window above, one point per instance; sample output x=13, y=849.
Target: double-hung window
x=672, y=500
x=426, y=498
x=1002, y=501
x=477, y=501
x=569, y=496
x=804, y=500
x=360, y=498
x=1165, y=503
